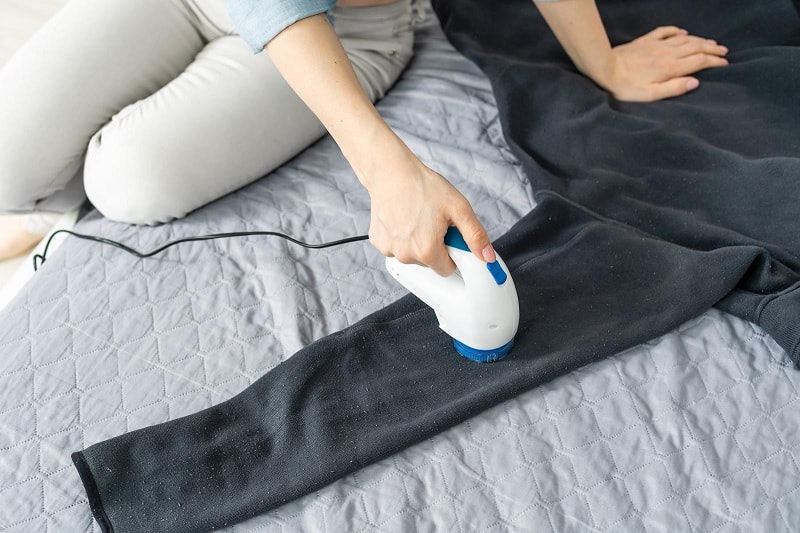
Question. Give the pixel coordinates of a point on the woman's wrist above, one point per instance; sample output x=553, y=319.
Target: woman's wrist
x=375, y=150
x=602, y=68
x=579, y=29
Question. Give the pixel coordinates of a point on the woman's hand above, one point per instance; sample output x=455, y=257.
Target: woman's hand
x=412, y=207
x=655, y=66
x=659, y=65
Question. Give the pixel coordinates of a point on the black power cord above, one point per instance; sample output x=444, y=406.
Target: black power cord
x=43, y=255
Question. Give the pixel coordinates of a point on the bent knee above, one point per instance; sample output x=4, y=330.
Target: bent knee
x=131, y=182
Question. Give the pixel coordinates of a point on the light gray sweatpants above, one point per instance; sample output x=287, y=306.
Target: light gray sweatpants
x=157, y=107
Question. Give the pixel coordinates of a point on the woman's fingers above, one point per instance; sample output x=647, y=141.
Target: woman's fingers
x=697, y=45
x=673, y=87
x=439, y=260
x=686, y=66
x=664, y=32
x=693, y=55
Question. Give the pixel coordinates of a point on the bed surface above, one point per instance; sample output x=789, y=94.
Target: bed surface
x=697, y=430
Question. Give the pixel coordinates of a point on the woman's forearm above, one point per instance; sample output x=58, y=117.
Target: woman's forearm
x=578, y=27
x=310, y=57
x=411, y=206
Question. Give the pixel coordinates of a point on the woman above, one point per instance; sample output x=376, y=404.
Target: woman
x=167, y=109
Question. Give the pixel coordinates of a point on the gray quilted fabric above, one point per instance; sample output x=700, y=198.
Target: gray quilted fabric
x=695, y=431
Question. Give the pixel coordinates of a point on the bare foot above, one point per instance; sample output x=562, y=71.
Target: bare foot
x=15, y=238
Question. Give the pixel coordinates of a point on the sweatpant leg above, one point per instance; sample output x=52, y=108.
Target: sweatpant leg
x=394, y=379
x=227, y=120
x=89, y=61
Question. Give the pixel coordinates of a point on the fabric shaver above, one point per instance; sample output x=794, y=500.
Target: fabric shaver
x=477, y=305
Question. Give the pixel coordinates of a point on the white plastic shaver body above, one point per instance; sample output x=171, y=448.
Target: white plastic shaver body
x=477, y=305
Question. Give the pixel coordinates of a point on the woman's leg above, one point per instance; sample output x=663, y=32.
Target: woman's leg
x=87, y=63
x=227, y=120
x=379, y=41
x=90, y=60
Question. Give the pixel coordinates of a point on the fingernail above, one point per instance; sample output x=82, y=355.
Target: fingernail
x=692, y=84
x=488, y=254
x=724, y=49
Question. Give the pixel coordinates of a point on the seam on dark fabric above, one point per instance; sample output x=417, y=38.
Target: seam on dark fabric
x=596, y=215
x=360, y=325
x=558, y=248
x=95, y=504
x=602, y=218
x=770, y=297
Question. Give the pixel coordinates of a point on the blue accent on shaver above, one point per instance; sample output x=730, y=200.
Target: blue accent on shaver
x=497, y=272
x=483, y=356
x=454, y=238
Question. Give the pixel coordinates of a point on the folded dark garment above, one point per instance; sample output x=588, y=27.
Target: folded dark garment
x=717, y=168
x=648, y=215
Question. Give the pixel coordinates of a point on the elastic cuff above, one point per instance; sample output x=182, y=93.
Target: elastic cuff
x=91, y=492
x=780, y=317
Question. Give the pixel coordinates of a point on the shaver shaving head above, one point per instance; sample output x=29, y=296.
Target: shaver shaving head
x=483, y=356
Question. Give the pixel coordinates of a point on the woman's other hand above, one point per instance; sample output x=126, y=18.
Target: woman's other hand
x=655, y=66
x=659, y=65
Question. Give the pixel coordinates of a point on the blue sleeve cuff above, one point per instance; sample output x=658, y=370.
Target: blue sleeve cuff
x=258, y=21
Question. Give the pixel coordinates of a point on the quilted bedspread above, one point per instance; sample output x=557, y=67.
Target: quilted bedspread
x=698, y=430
